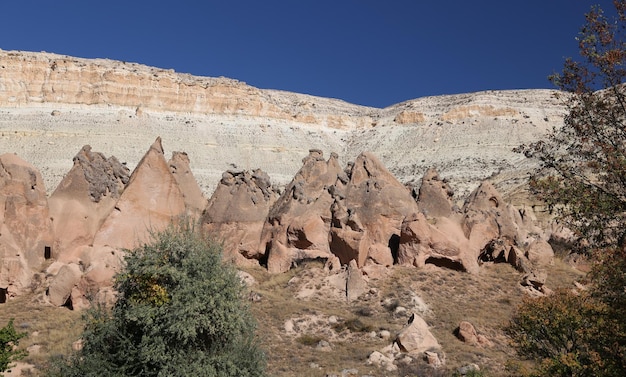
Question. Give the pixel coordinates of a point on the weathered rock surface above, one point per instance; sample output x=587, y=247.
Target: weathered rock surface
x=84, y=199
x=435, y=197
x=26, y=236
x=368, y=213
x=195, y=202
x=298, y=223
x=150, y=201
x=51, y=105
x=99, y=211
x=415, y=337
x=236, y=212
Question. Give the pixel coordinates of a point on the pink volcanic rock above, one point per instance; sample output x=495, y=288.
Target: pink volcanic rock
x=440, y=242
x=415, y=337
x=195, y=202
x=368, y=212
x=26, y=237
x=151, y=200
x=435, y=195
x=298, y=223
x=84, y=199
x=237, y=211
x=497, y=230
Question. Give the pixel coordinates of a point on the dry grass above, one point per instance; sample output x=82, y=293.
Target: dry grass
x=50, y=330
x=487, y=300
x=350, y=329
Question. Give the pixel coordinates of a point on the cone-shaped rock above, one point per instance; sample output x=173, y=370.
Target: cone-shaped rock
x=26, y=237
x=195, y=202
x=298, y=223
x=84, y=199
x=150, y=201
x=368, y=213
x=237, y=211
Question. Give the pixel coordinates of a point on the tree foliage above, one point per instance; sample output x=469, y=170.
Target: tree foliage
x=180, y=312
x=582, y=177
x=583, y=163
x=9, y=338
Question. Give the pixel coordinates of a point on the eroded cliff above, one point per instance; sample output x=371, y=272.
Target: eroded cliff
x=50, y=105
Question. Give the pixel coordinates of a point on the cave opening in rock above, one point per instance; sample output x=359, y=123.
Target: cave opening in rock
x=4, y=292
x=265, y=257
x=446, y=263
x=47, y=252
x=394, y=246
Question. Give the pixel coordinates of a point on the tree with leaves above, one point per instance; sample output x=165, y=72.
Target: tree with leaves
x=180, y=312
x=582, y=172
x=582, y=177
x=9, y=339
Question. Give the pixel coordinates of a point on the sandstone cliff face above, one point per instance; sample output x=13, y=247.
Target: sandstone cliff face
x=51, y=105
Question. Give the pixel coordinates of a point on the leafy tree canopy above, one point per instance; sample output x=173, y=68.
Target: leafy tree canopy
x=583, y=178
x=583, y=164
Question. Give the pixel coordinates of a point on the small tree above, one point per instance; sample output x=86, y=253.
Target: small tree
x=9, y=338
x=180, y=312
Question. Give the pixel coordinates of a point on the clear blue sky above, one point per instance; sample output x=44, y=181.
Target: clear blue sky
x=368, y=52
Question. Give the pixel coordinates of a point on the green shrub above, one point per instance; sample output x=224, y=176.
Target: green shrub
x=180, y=312
x=9, y=338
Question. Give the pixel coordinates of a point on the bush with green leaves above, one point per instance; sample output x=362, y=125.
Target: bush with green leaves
x=582, y=177
x=9, y=339
x=180, y=312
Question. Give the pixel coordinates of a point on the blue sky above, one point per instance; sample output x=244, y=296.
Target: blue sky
x=374, y=53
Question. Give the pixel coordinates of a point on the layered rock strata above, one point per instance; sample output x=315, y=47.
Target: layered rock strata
x=51, y=105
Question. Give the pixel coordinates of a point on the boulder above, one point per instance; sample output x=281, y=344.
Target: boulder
x=26, y=236
x=380, y=360
x=84, y=199
x=416, y=337
x=236, y=212
x=540, y=253
x=61, y=287
x=355, y=283
x=151, y=200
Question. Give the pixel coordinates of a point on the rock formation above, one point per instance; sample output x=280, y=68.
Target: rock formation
x=236, y=212
x=368, y=213
x=26, y=236
x=99, y=211
x=51, y=105
x=361, y=213
x=195, y=202
x=298, y=223
x=151, y=200
x=84, y=199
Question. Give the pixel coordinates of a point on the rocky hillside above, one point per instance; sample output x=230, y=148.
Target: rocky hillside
x=52, y=105
x=349, y=267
